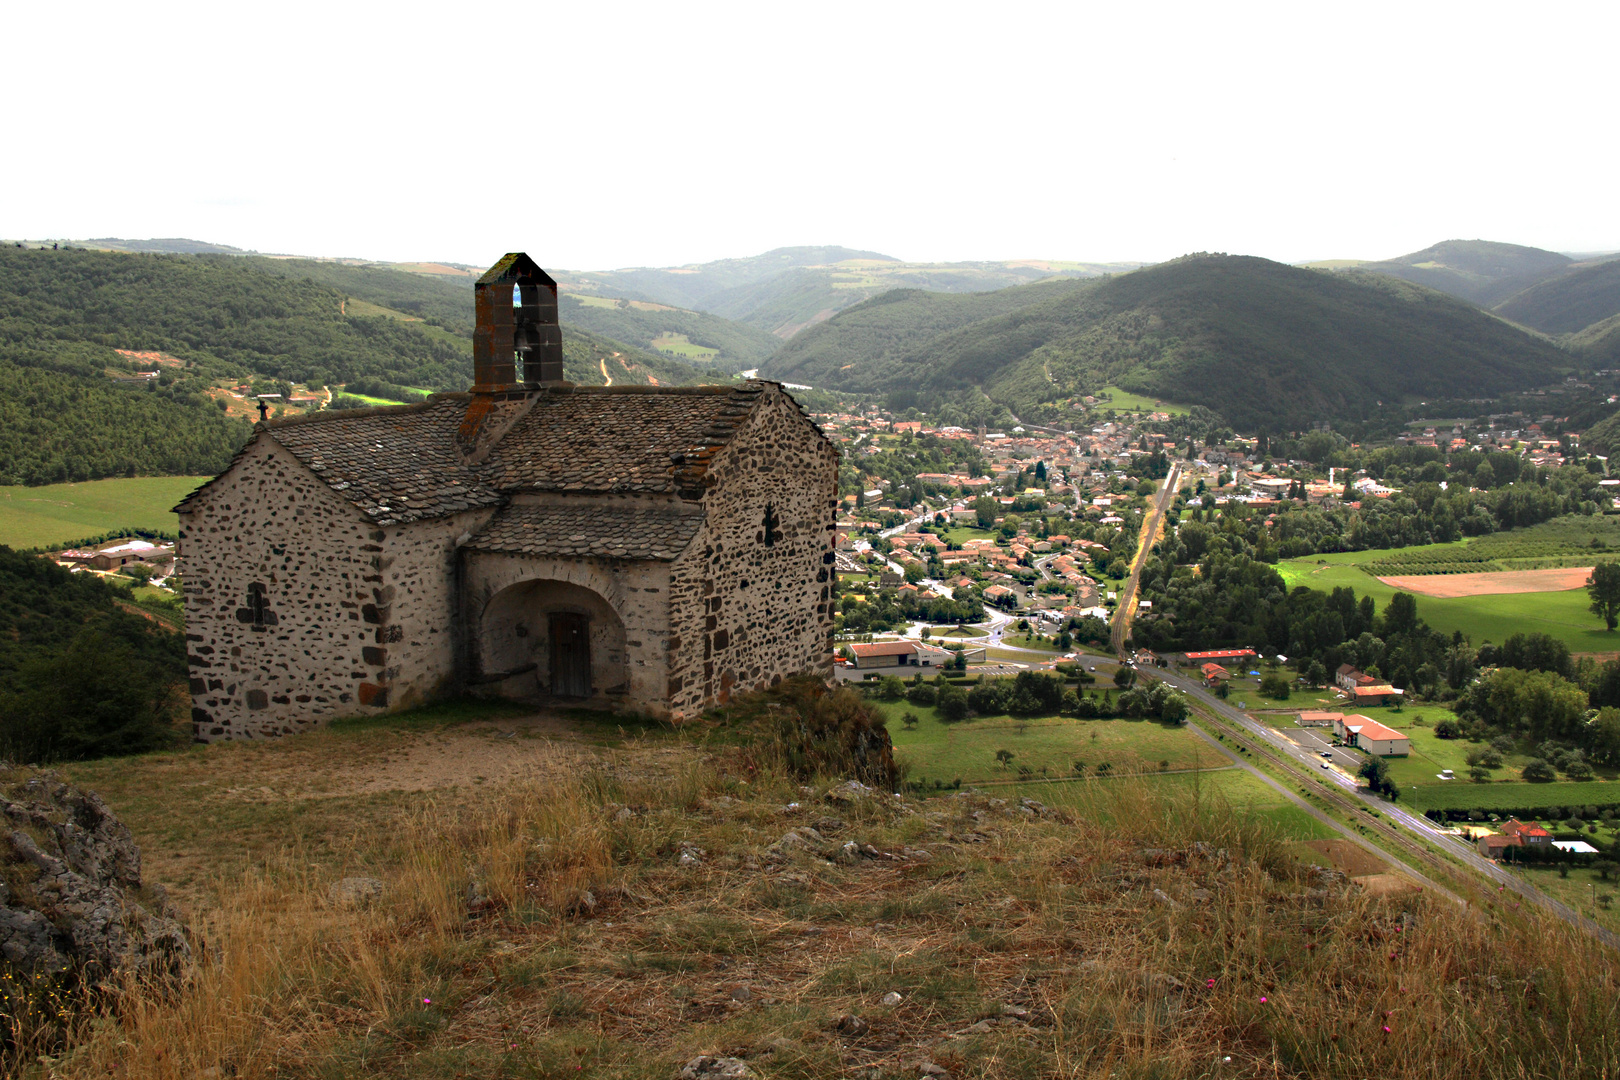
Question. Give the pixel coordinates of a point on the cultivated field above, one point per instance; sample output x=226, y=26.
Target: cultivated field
x=1491, y=617
x=63, y=513
x=1450, y=586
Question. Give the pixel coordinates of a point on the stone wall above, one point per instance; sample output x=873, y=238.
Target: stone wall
x=298, y=609
x=751, y=598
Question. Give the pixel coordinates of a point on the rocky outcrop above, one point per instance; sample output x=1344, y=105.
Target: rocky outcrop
x=70, y=885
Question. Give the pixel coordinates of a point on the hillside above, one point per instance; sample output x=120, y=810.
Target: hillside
x=1264, y=344
x=1599, y=344
x=1568, y=303
x=785, y=291
x=1482, y=272
x=70, y=409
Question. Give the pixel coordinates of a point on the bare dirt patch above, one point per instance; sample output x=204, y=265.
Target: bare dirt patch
x=1351, y=858
x=1451, y=586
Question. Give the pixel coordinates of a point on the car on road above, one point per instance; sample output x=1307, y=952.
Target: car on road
x=1324, y=765
x=1327, y=754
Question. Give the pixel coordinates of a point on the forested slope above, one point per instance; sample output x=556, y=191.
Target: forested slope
x=80, y=676
x=1568, y=303
x=1264, y=344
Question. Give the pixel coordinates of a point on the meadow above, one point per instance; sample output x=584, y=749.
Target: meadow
x=58, y=514
x=1125, y=401
x=1046, y=746
x=679, y=345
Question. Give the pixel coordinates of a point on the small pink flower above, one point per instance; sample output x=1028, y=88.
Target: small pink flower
x=427, y=1001
x=1262, y=999
x=1386, y=1029
x=1211, y=984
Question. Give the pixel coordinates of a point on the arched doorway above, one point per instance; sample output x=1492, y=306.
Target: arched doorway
x=551, y=639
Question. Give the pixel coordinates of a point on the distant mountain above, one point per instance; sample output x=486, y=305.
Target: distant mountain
x=1568, y=303
x=1266, y=345
x=1481, y=271
x=789, y=289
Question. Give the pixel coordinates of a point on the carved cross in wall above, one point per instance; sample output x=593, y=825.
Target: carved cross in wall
x=772, y=533
x=257, y=610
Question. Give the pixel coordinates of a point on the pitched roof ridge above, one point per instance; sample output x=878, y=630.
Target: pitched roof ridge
x=328, y=415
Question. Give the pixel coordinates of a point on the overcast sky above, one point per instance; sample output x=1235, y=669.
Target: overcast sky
x=599, y=135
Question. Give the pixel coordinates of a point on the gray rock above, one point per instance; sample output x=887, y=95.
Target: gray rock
x=852, y=1025
x=74, y=871
x=359, y=892
x=1163, y=898
x=709, y=1067
x=891, y=999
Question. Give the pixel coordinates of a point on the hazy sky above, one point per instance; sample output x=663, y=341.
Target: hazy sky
x=599, y=135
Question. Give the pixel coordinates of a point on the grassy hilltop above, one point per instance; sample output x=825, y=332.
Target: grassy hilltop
x=561, y=896
x=1264, y=344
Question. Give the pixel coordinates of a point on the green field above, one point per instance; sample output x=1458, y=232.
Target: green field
x=63, y=513
x=960, y=533
x=967, y=751
x=1563, y=615
x=1235, y=787
x=681, y=346
x=1125, y=401
x=1522, y=797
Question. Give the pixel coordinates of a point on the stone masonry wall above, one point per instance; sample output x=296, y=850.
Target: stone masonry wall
x=298, y=609
x=750, y=599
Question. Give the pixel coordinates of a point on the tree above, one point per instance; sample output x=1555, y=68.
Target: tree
x=891, y=688
x=985, y=509
x=1604, y=589
x=1480, y=774
x=1375, y=770
x=1005, y=757
x=952, y=704
x=1125, y=677
x=909, y=720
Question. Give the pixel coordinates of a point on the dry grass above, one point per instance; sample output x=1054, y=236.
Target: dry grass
x=548, y=927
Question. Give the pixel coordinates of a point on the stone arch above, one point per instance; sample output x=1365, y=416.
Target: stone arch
x=530, y=637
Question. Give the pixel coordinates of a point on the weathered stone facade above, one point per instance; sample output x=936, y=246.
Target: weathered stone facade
x=641, y=548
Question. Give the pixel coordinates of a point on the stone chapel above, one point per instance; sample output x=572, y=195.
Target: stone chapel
x=628, y=547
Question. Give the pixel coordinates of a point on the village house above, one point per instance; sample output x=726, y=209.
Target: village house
x=1367, y=734
x=647, y=548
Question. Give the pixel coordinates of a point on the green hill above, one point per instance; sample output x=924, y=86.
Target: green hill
x=1481, y=271
x=1568, y=303
x=1264, y=344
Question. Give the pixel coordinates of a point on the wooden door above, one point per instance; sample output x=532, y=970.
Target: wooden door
x=570, y=655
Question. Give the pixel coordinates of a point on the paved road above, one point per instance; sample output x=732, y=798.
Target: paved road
x=1150, y=530
x=1416, y=824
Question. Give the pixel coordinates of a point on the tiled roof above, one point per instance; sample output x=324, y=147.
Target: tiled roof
x=630, y=531
x=395, y=464
x=598, y=440
x=403, y=463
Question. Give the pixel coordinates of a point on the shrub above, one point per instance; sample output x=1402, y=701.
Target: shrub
x=921, y=693
x=1539, y=771
x=952, y=704
x=890, y=688
x=1275, y=686
x=1447, y=729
